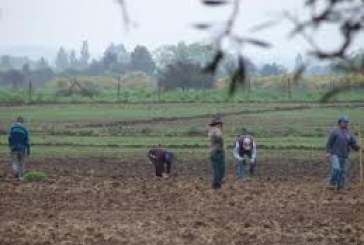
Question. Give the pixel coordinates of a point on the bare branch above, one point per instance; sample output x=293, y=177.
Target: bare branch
x=125, y=14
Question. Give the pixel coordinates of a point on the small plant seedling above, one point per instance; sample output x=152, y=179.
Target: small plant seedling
x=34, y=176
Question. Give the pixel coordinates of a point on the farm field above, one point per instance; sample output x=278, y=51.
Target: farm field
x=100, y=188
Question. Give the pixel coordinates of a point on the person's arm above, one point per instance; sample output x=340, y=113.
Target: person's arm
x=236, y=152
x=330, y=142
x=152, y=156
x=353, y=143
x=254, y=152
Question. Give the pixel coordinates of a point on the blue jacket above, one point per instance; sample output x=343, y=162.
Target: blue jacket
x=340, y=141
x=18, y=139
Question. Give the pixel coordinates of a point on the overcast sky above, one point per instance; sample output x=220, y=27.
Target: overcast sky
x=36, y=26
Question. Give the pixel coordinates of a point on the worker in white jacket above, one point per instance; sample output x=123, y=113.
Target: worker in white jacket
x=245, y=152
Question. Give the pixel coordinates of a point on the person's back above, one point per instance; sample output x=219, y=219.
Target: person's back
x=18, y=141
x=18, y=137
x=245, y=145
x=245, y=152
x=160, y=157
x=156, y=155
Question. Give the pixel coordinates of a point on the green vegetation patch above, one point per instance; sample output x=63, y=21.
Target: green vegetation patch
x=34, y=176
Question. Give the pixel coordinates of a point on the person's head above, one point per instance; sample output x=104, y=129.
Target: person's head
x=216, y=122
x=19, y=119
x=343, y=121
x=247, y=143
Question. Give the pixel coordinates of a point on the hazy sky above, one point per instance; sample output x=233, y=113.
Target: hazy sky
x=36, y=26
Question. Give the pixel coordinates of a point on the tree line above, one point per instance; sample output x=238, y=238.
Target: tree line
x=172, y=66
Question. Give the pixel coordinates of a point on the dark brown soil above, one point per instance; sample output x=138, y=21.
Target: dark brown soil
x=108, y=201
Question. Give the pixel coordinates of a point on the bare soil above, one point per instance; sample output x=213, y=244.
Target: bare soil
x=108, y=201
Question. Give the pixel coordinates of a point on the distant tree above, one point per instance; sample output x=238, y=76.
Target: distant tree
x=42, y=63
x=184, y=75
x=298, y=62
x=344, y=16
x=96, y=67
x=122, y=54
x=84, y=55
x=62, y=60
x=272, y=70
x=13, y=78
x=141, y=60
x=73, y=60
x=5, y=62
x=230, y=64
x=195, y=53
x=319, y=70
x=41, y=76
x=26, y=69
x=110, y=56
x=354, y=63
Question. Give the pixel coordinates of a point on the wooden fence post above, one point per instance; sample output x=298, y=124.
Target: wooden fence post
x=30, y=89
x=248, y=86
x=360, y=157
x=289, y=88
x=119, y=86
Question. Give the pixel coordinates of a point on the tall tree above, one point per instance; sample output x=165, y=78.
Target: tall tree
x=184, y=75
x=5, y=62
x=42, y=63
x=298, y=62
x=62, y=60
x=122, y=54
x=73, y=60
x=110, y=56
x=272, y=70
x=84, y=55
x=196, y=53
x=142, y=60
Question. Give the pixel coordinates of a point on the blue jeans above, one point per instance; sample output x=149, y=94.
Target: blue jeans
x=241, y=169
x=339, y=167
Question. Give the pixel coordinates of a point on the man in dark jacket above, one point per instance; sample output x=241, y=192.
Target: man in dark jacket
x=338, y=147
x=217, y=151
x=18, y=141
x=162, y=159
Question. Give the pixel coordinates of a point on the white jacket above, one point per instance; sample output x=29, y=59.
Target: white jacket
x=237, y=149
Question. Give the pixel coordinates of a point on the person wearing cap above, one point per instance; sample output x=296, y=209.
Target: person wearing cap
x=245, y=151
x=338, y=146
x=217, y=151
x=162, y=160
x=18, y=141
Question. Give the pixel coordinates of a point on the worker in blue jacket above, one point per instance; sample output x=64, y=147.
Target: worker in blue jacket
x=19, y=146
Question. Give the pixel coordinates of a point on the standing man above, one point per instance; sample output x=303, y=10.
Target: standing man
x=245, y=152
x=162, y=159
x=217, y=151
x=19, y=146
x=338, y=148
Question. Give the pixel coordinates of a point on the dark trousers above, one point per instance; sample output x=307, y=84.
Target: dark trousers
x=218, y=167
x=162, y=167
